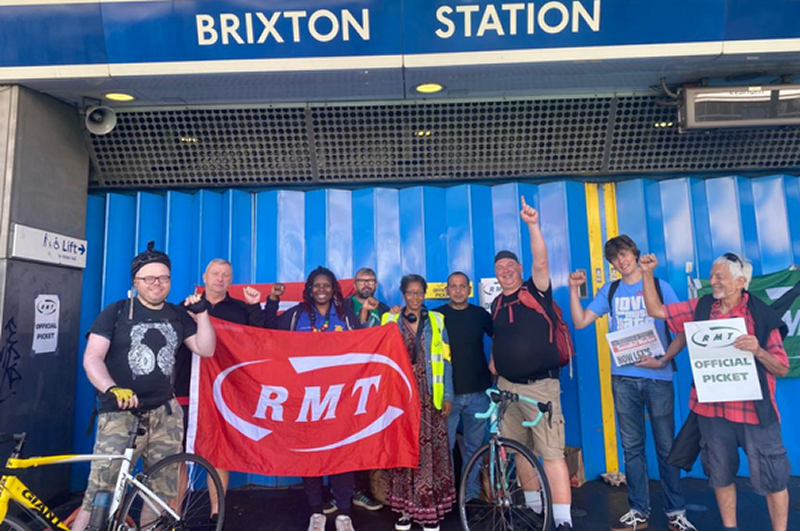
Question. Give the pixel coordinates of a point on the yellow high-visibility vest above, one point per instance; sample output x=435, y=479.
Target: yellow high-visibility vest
x=440, y=351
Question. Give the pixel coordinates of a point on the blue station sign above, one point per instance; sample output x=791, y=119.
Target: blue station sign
x=137, y=37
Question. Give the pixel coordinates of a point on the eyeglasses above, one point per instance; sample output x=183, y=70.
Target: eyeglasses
x=731, y=257
x=365, y=281
x=417, y=294
x=150, y=280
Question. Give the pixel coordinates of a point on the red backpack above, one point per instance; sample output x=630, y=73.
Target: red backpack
x=558, y=333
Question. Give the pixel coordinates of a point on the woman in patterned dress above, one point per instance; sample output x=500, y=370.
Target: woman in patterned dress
x=426, y=493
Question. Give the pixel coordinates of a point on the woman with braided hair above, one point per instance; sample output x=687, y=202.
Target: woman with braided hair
x=322, y=310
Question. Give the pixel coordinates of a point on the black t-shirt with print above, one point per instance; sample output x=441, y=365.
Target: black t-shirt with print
x=142, y=351
x=522, y=347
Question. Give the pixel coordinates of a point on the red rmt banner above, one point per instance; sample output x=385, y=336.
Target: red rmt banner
x=304, y=404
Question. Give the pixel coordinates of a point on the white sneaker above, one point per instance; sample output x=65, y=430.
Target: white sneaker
x=317, y=522
x=430, y=527
x=403, y=523
x=679, y=522
x=343, y=523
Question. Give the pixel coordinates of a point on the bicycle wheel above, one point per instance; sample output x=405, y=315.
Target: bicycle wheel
x=195, y=480
x=501, y=505
x=12, y=524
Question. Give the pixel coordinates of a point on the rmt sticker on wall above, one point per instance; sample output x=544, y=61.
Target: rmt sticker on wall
x=47, y=310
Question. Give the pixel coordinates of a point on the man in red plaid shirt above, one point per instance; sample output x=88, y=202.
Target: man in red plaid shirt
x=726, y=426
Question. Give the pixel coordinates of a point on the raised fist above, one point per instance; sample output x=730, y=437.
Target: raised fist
x=196, y=304
x=647, y=263
x=577, y=278
x=370, y=304
x=252, y=295
x=277, y=291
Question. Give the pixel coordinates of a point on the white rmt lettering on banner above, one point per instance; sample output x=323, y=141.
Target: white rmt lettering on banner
x=363, y=386
x=321, y=25
x=316, y=407
x=272, y=398
x=516, y=18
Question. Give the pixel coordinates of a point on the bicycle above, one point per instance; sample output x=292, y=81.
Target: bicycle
x=189, y=509
x=502, y=505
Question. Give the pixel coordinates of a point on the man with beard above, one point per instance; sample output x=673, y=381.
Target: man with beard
x=366, y=285
x=526, y=358
x=129, y=358
x=753, y=425
x=639, y=386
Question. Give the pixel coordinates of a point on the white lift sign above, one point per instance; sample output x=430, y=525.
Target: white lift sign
x=48, y=247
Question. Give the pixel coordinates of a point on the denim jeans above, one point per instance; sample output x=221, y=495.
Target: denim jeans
x=341, y=488
x=474, y=431
x=631, y=397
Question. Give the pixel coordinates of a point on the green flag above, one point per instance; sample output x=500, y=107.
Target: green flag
x=770, y=288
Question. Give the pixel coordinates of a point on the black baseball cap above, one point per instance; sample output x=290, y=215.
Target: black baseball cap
x=505, y=254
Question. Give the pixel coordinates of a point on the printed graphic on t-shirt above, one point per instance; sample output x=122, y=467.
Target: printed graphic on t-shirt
x=152, y=344
x=630, y=311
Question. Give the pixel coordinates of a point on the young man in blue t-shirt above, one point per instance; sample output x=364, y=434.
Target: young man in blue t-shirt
x=646, y=384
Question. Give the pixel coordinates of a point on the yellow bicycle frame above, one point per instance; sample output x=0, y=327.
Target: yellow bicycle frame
x=12, y=488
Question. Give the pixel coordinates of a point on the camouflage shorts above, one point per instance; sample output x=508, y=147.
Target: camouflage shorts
x=163, y=438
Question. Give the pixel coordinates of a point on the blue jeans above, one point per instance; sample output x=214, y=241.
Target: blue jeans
x=474, y=432
x=631, y=396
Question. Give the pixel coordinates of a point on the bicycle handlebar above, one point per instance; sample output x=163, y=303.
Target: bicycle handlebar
x=500, y=397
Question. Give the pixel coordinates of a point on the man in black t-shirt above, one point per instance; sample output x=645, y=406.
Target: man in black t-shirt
x=130, y=359
x=525, y=357
x=466, y=326
x=216, y=281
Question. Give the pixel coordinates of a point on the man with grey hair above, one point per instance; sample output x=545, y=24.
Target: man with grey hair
x=216, y=280
x=753, y=425
x=526, y=359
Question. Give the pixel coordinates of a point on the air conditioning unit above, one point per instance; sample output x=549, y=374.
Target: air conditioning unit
x=724, y=107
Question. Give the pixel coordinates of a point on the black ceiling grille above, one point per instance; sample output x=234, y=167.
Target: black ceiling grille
x=405, y=142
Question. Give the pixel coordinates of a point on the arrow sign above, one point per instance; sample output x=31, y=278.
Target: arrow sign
x=47, y=247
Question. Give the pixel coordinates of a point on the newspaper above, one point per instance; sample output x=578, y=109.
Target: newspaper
x=629, y=345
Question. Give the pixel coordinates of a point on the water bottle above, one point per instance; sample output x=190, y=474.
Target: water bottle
x=100, y=508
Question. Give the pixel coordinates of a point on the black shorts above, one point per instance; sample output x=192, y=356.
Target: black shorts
x=766, y=455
